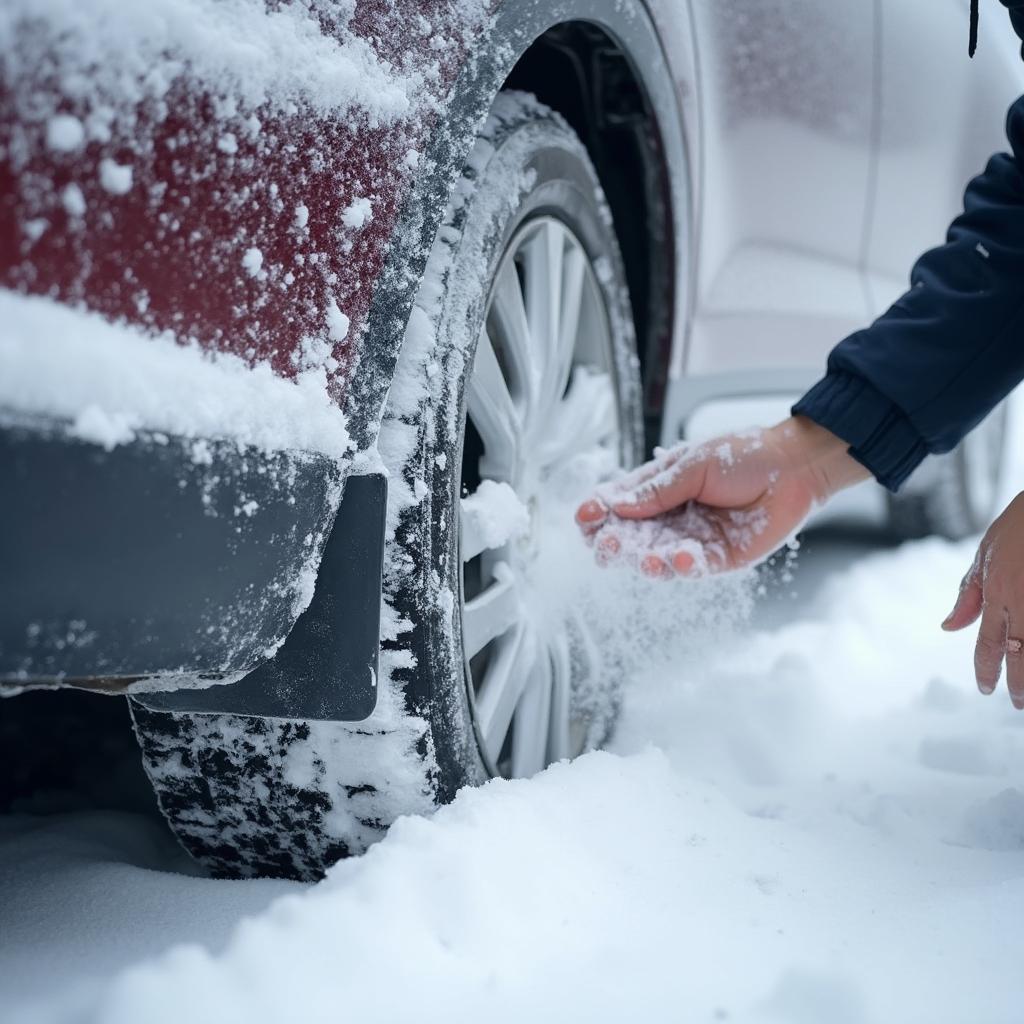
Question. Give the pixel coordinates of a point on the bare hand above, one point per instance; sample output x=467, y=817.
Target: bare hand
x=993, y=590
x=721, y=505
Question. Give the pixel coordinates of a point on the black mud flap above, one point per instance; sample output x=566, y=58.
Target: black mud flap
x=326, y=670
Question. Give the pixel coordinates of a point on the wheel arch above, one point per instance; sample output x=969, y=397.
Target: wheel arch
x=581, y=71
x=602, y=66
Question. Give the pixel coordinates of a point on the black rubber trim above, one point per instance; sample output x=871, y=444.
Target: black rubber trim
x=327, y=668
x=159, y=557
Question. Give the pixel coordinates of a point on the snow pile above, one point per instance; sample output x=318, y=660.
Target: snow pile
x=102, y=854
x=109, y=381
x=827, y=828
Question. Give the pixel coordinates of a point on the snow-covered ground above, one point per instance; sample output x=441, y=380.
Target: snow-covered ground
x=808, y=817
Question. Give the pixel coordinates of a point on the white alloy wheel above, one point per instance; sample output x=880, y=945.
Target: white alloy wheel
x=541, y=393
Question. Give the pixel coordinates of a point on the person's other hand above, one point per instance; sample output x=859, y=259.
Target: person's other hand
x=720, y=505
x=993, y=590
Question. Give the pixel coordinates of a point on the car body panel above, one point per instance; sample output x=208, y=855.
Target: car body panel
x=786, y=91
x=942, y=116
x=236, y=221
x=245, y=228
x=845, y=161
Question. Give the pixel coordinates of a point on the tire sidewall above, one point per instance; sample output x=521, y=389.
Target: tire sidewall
x=536, y=153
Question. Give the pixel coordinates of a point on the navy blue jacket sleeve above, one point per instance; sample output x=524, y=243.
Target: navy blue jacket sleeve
x=931, y=368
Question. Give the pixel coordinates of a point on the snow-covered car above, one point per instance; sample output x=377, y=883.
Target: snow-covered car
x=314, y=313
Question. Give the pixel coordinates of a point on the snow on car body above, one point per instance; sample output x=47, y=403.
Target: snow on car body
x=248, y=194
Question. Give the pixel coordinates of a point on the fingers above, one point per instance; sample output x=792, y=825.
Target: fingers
x=630, y=481
x=656, y=567
x=684, y=563
x=591, y=516
x=656, y=556
x=669, y=488
x=607, y=549
x=1014, y=666
x=990, y=646
x=662, y=561
x=593, y=513
x=665, y=567
x=968, y=602
x=997, y=640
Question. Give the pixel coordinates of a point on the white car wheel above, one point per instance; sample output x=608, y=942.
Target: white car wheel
x=541, y=393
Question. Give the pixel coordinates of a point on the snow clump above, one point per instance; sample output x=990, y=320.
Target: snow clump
x=492, y=516
x=337, y=322
x=357, y=214
x=114, y=177
x=73, y=200
x=252, y=261
x=64, y=133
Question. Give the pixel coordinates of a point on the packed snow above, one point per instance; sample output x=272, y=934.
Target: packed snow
x=491, y=517
x=110, y=381
x=110, y=57
x=807, y=815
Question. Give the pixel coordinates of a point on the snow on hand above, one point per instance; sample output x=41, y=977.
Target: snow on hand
x=707, y=537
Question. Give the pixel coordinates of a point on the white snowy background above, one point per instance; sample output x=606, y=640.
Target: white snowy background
x=807, y=815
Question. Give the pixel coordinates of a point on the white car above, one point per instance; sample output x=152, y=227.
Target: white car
x=836, y=143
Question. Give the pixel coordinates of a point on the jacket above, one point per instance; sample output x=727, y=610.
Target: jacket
x=952, y=347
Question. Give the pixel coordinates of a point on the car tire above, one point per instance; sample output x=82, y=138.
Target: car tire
x=249, y=796
x=960, y=491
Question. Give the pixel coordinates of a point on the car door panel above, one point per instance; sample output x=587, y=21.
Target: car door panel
x=788, y=107
x=942, y=116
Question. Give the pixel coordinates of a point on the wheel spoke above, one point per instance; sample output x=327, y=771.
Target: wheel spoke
x=564, y=346
x=543, y=257
x=572, y=297
x=503, y=683
x=490, y=407
x=561, y=699
x=510, y=329
x=490, y=614
x=532, y=721
x=584, y=419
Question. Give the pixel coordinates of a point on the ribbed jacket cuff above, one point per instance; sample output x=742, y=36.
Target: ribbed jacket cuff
x=878, y=432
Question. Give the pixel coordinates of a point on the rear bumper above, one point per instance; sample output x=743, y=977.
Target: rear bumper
x=176, y=565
